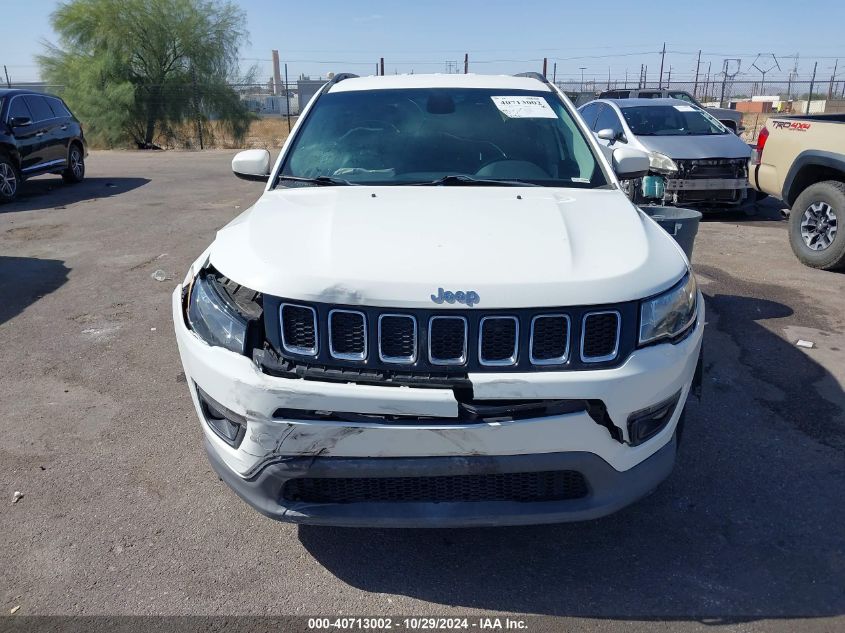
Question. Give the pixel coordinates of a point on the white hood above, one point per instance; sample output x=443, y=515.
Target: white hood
x=395, y=246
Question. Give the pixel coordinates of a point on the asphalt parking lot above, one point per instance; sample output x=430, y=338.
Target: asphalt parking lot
x=121, y=513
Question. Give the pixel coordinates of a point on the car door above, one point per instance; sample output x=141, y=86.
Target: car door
x=48, y=140
x=28, y=144
x=588, y=113
x=64, y=128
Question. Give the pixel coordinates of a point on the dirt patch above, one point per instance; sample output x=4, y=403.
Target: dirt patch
x=36, y=232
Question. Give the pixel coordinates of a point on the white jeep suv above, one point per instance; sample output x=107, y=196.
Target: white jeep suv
x=441, y=312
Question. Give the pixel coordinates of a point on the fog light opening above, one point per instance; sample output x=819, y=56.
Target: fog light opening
x=226, y=424
x=646, y=423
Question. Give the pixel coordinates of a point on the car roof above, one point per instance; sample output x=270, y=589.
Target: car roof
x=9, y=92
x=632, y=103
x=470, y=80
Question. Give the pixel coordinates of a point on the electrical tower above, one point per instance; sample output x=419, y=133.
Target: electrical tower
x=764, y=65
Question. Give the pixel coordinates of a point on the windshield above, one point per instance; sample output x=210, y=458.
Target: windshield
x=431, y=135
x=683, y=96
x=671, y=120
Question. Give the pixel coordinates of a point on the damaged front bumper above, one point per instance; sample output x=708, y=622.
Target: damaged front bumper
x=584, y=468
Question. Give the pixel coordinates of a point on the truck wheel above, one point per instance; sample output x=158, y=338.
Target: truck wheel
x=10, y=179
x=814, y=225
x=75, y=171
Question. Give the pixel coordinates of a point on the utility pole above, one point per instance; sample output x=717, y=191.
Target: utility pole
x=608, y=77
x=697, y=66
x=545, y=65
x=812, y=83
x=554, y=72
x=287, y=96
x=381, y=66
x=793, y=73
x=8, y=82
x=662, y=57
x=626, y=78
x=726, y=76
x=669, y=78
x=582, y=69
x=832, y=79
x=640, y=79
x=466, y=63
x=645, y=76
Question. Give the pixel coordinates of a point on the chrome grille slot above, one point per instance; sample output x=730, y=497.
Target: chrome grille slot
x=498, y=340
x=347, y=334
x=397, y=338
x=421, y=346
x=447, y=340
x=299, y=329
x=600, y=336
x=549, y=339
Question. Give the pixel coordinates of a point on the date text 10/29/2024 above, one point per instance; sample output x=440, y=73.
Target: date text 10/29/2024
x=417, y=624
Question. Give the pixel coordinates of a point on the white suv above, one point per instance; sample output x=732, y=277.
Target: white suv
x=441, y=312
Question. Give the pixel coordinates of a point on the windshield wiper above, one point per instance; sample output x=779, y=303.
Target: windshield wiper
x=464, y=180
x=320, y=181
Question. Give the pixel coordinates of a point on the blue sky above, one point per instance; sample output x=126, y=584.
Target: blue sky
x=318, y=37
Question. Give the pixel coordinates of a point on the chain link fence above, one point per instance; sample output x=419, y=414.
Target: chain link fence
x=275, y=108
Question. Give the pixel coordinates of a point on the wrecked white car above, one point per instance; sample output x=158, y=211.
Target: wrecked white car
x=441, y=312
x=694, y=159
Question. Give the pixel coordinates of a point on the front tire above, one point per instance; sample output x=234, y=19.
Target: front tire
x=814, y=225
x=75, y=171
x=10, y=179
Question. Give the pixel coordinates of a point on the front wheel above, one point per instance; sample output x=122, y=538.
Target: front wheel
x=814, y=225
x=75, y=171
x=10, y=179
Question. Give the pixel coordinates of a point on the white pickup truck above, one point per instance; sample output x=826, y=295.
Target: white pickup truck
x=442, y=311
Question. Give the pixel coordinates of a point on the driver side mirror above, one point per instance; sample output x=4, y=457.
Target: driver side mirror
x=20, y=121
x=252, y=164
x=607, y=134
x=629, y=163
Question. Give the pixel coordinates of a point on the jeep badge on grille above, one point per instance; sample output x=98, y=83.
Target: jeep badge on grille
x=469, y=297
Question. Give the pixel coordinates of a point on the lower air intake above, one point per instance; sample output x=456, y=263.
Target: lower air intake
x=557, y=485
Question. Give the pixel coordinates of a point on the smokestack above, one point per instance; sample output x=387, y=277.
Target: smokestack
x=277, y=74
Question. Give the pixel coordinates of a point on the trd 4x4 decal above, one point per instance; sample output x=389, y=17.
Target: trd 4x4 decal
x=791, y=125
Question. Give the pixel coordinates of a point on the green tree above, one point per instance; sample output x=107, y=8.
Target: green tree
x=133, y=69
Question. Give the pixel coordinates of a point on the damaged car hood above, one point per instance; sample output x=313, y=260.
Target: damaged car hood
x=698, y=147
x=397, y=246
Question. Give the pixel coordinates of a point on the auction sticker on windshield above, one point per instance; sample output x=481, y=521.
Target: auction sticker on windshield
x=684, y=108
x=524, y=107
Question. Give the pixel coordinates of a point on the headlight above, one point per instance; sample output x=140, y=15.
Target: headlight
x=669, y=314
x=213, y=318
x=661, y=163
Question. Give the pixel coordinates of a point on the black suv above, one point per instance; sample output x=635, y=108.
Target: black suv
x=38, y=135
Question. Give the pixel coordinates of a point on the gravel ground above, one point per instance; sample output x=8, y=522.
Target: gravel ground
x=121, y=513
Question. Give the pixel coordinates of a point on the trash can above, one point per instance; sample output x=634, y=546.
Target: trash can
x=682, y=224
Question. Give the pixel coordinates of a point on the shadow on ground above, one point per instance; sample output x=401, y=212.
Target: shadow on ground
x=749, y=526
x=47, y=192
x=24, y=280
x=765, y=212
